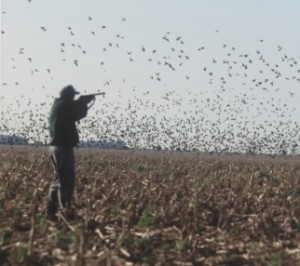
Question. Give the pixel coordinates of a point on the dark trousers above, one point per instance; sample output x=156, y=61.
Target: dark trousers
x=62, y=186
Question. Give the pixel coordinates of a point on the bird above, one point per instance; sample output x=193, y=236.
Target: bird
x=165, y=38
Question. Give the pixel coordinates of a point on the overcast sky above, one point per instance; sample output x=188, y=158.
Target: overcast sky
x=236, y=53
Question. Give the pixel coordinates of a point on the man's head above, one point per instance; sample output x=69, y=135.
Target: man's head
x=68, y=93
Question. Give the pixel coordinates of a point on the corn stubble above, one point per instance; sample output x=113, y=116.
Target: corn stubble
x=152, y=208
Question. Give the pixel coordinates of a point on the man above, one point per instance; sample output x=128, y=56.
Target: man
x=64, y=113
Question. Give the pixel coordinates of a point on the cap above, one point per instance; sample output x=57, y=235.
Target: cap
x=68, y=91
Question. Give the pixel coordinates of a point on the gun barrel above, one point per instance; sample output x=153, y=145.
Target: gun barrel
x=94, y=94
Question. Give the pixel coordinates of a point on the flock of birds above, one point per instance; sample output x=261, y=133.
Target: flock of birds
x=240, y=110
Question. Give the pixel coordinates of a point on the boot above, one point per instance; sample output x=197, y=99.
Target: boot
x=51, y=210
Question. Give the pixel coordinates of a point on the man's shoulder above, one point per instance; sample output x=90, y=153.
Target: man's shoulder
x=60, y=103
x=57, y=107
x=57, y=102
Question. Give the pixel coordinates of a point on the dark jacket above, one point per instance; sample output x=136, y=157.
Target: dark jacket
x=63, y=115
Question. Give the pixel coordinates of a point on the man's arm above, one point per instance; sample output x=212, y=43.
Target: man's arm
x=79, y=109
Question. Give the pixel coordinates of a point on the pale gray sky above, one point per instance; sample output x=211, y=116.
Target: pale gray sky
x=244, y=54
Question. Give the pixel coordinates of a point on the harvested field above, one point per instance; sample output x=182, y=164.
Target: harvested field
x=152, y=208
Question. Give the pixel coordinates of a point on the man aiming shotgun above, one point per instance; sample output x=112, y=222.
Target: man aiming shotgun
x=65, y=112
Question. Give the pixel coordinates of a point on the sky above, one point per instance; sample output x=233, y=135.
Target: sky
x=225, y=59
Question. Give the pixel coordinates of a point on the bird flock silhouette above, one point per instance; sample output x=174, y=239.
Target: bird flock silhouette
x=243, y=105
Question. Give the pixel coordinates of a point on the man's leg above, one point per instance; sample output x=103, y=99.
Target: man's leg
x=62, y=187
x=52, y=202
x=67, y=181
